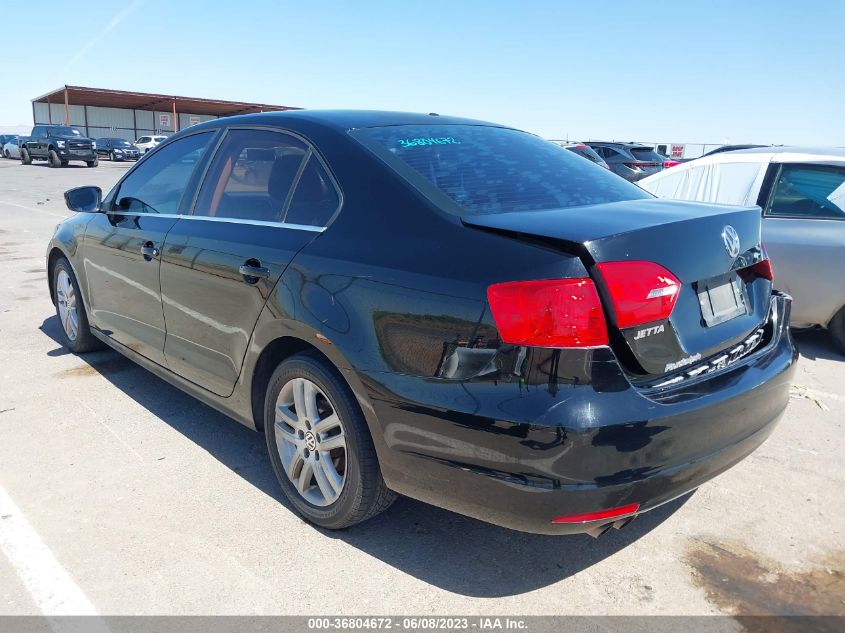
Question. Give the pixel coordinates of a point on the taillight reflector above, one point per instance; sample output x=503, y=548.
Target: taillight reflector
x=548, y=313
x=587, y=517
x=670, y=163
x=764, y=269
x=641, y=292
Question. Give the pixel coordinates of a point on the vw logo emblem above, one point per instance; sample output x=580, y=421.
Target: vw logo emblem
x=310, y=441
x=731, y=239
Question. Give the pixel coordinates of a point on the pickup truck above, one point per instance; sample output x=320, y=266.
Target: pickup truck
x=58, y=145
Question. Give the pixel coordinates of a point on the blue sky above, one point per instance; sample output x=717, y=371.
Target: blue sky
x=702, y=71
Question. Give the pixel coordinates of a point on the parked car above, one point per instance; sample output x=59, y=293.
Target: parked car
x=12, y=151
x=117, y=149
x=58, y=145
x=802, y=195
x=730, y=148
x=146, y=143
x=632, y=161
x=442, y=308
x=585, y=151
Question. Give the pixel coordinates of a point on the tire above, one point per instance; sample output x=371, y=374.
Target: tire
x=6, y=153
x=837, y=330
x=53, y=159
x=77, y=339
x=26, y=159
x=111, y=157
x=92, y=163
x=363, y=493
x=65, y=163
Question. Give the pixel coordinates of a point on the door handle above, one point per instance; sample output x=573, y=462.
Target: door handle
x=149, y=250
x=252, y=271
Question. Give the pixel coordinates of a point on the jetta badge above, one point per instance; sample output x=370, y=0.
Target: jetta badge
x=731, y=239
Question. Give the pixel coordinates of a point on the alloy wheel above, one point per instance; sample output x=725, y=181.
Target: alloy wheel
x=66, y=301
x=311, y=442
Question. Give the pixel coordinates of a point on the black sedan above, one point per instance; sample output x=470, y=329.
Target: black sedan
x=441, y=308
x=117, y=149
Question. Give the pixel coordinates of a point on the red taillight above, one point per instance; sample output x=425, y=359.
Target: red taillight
x=641, y=292
x=670, y=163
x=586, y=517
x=548, y=313
x=762, y=269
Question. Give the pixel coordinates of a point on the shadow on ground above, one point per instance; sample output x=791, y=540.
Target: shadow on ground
x=450, y=551
x=817, y=344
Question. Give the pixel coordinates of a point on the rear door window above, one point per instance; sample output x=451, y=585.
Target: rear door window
x=809, y=191
x=315, y=200
x=475, y=169
x=251, y=176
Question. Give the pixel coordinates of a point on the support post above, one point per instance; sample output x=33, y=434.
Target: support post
x=175, y=120
x=67, y=110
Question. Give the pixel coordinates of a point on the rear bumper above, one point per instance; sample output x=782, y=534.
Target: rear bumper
x=522, y=454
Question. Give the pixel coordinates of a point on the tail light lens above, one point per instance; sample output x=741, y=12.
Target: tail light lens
x=670, y=163
x=612, y=513
x=641, y=292
x=548, y=313
x=762, y=269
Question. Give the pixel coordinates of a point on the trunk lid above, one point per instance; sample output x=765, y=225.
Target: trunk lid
x=686, y=239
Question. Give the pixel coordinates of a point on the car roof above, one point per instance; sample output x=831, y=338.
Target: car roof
x=838, y=152
x=346, y=119
x=629, y=145
x=760, y=155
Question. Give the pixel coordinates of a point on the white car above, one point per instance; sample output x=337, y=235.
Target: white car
x=146, y=143
x=12, y=149
x=802, y=194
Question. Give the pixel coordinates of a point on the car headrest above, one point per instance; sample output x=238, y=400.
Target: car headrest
x=282, y=175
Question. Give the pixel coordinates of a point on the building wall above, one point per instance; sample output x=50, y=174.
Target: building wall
x=99, y=122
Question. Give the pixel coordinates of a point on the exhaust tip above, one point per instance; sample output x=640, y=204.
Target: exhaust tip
x=599, y=530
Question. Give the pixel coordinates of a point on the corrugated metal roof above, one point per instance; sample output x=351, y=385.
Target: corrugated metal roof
x=80, y=95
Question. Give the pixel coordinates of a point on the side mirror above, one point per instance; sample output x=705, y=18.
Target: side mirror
x=84, y=199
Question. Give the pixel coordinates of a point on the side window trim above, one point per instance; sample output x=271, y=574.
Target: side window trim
x=116, y=189
x=767, y=190
x=190, y=211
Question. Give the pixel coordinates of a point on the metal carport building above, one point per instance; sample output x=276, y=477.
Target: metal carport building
x=129, y=115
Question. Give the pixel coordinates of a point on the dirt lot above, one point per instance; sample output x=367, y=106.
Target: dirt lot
x=122, y=495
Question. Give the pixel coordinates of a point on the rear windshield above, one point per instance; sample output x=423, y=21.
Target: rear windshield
x=64, y=131
x=587, y=152
x=646, y=153
x=485, y=170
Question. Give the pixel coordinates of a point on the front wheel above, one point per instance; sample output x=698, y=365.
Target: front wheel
x=54, y=159
x=6, y=153
x=92, y=163
x=320, y=446
x=837, y=329
x=75, y=332
x=26, y=159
